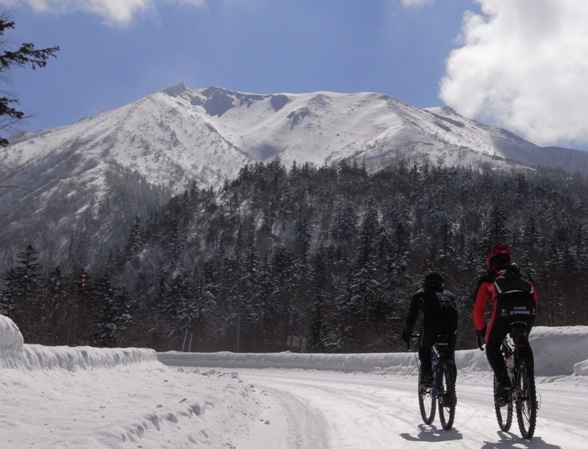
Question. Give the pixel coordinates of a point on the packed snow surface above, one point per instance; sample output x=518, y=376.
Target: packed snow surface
x=90, y=398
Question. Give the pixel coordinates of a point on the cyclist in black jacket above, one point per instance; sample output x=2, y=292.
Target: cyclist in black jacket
x=438, y=310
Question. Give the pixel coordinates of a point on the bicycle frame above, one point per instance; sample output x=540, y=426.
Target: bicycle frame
x=441, y=393
x=510, y=350
x=438, y=359
x=520, y=372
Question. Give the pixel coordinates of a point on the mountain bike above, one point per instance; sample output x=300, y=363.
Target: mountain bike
x=520, y=372
x=441, y=393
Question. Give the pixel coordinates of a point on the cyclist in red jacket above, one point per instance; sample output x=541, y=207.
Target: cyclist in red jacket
x=520, y=306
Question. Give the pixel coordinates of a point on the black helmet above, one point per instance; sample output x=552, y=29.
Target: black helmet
x=433, y=280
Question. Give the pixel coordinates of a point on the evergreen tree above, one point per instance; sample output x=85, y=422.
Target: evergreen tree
x=303, y=239
x=25, y=56
x=496, y=229
x=361, y=307
x=113, y=312
x=346, y=228
x=321, y=315
x=136, y=239
x=22, y=298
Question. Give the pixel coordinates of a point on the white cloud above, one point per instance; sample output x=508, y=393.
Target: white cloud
x=114, y=11
x=523, y=65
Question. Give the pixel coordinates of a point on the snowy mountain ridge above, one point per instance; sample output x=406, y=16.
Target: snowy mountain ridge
x=92, y=178
x=179, y=135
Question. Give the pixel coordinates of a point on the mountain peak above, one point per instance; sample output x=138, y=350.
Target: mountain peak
x=176, y=90
x=207, y=134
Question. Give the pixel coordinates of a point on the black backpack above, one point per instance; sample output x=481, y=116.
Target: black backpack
x=440, y=310
x=515, y=295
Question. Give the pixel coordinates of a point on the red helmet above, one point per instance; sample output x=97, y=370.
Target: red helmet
x=498, y=257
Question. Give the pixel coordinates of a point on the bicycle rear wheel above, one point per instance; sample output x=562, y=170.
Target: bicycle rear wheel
x=503, y=412
x=526, y=399
x=427, y=403
x=447, y=398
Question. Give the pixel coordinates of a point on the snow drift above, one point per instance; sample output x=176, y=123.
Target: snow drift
x=559, y=351
x=15, y=354
x=98, y=398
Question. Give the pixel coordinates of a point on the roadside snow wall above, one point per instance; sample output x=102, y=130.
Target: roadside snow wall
x=559, y=351
x=17, y=355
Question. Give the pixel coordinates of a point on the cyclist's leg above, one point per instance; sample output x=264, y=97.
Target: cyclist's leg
x=451, y=353
x=428, y=336
x=425, y=359
x=496, y=333
x=525, y=312
x=525, y=351
x=448, y=326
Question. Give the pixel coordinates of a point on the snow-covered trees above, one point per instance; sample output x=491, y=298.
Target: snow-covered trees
x=22, y=298
x=329, y=254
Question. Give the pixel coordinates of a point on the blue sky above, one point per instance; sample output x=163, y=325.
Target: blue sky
x=520, y=64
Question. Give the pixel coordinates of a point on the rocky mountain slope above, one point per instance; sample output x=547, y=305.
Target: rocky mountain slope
x=88, y=181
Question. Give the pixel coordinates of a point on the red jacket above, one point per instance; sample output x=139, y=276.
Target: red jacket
x=486, y=291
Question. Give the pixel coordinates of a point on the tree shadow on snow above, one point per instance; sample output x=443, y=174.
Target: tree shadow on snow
x=512, y=441
x=432, y=434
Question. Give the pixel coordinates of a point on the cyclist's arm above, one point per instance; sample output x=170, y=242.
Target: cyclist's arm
x=480, y=302
x=535, y=295
x=413, y=312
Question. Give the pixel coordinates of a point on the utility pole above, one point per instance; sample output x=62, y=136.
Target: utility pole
x=239, y=324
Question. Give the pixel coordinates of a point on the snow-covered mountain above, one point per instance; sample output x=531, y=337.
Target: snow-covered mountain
x=180, y=135
x=90, y=179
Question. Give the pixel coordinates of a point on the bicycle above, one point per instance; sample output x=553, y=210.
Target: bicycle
x=441, y=393
x=520, y=372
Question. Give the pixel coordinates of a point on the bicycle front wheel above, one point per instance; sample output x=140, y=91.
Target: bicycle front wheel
x=503, y=412
x=427, y=403
x=526, y=399
x=447, y=398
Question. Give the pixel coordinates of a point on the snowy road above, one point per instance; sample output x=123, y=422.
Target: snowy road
x=316, y=409
x=132, y=398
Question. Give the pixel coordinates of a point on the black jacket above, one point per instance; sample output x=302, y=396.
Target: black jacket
x=438, y=309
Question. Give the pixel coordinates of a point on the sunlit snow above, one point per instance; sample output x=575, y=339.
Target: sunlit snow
x=91, y=398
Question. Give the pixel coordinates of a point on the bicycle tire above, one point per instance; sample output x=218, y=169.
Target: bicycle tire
x=427, y=404
x=526, y=399
x=447, y=399
x=504, y=413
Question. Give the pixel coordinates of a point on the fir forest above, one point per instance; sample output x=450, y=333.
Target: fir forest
x=327, y=255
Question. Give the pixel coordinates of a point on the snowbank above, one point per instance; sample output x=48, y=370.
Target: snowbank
x=17, y=355
x=558, y=351
x=402, y=363
x=581, y=369
x=10, y=337
x=55, y=397
x=92, y=398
